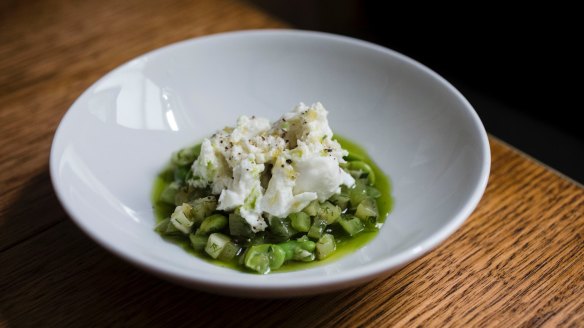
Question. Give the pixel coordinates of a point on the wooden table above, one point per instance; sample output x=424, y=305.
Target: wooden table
x=518, y=260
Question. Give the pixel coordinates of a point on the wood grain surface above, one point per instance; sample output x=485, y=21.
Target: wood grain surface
x=517, y=261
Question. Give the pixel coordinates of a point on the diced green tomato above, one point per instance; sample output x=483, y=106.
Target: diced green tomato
x=213, y=223
x=365, y=169
x=277, y=227
x=189, y=194
x=288, y=248
x=229, y=251
x=198, y=241
x=303, y=238
x=277, y=256
x=168, y=194
x=312, y=208
x=341, y=201
x=329, y=212
x=166, y=228
x=216, y=243
x=258, y=256
x=307, y=245
x=189, y=175
x=372, y=192
x=180, y=221
x=186, y=156
x=258, y=259
x=186, y=193
x=180, y=173
x=358, y=192
x=300, y=221
x=196, y=150
x=325, y=246
x=168, y=174
x=202, y=208
x=317, y=228
x=181, y=196
x=367, y=212
x=344, y=190
x=303, y=255
x=238, y=226
x=161, y=226
x=298, y=250
x=281, y=229
x=258, y=239
x=352, y=225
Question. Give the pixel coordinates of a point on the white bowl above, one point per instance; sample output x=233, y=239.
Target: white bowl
x=121, y=131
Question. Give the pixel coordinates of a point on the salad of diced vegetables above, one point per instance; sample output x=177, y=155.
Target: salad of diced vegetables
x=260, y=195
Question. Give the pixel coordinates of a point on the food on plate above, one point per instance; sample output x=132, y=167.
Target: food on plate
x=261, y=196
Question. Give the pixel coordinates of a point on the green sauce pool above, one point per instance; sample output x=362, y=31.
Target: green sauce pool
x=344, y=243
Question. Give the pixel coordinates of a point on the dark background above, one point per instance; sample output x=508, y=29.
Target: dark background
x=517, y=66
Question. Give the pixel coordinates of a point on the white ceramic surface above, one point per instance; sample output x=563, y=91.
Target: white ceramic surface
x=121, y=131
